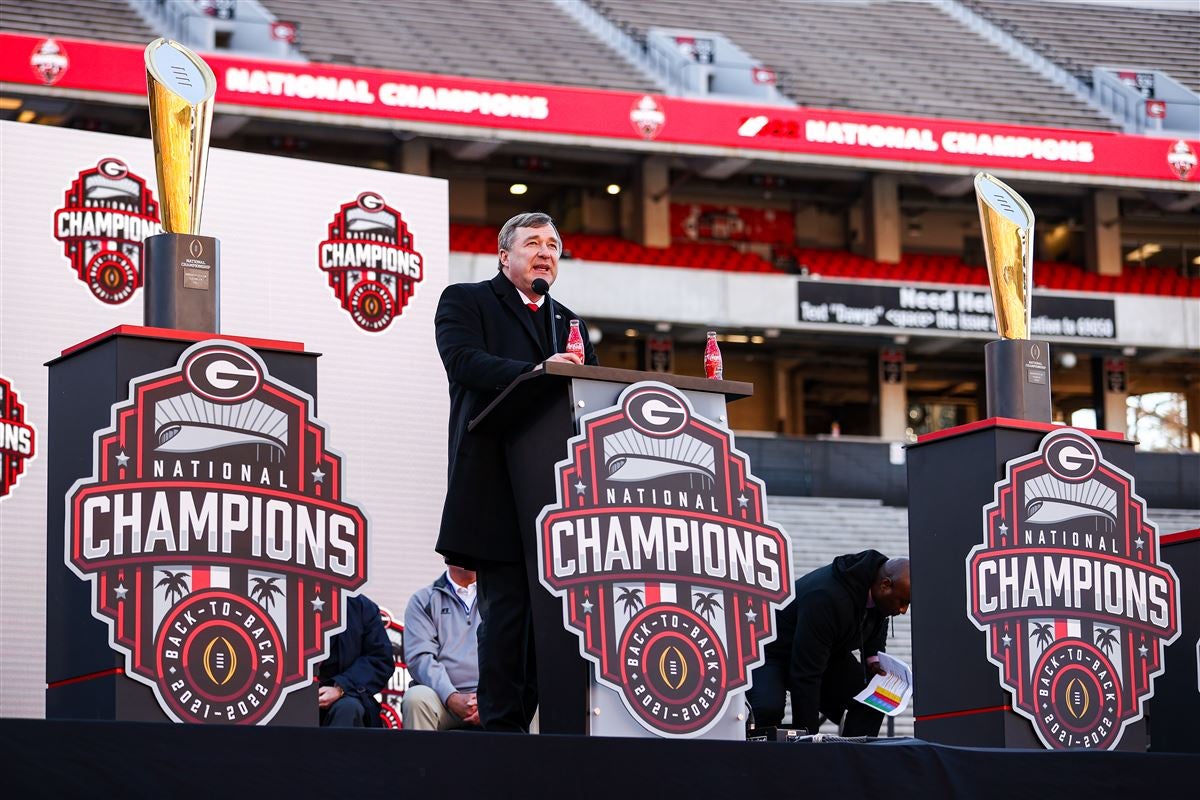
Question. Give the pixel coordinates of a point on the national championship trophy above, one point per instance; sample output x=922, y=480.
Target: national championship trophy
x=1017, y=368
x=182, y=268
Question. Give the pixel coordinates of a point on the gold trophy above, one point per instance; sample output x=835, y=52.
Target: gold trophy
x=1017, y=367
x=182, y=268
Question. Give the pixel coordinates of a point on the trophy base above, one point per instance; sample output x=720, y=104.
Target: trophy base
x=182, y=275
x=1018, y=379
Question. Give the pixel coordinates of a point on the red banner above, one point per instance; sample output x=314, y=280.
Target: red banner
x=79, y=65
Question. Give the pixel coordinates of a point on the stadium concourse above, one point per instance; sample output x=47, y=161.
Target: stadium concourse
x=794, y=175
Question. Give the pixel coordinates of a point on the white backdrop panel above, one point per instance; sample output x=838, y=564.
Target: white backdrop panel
x=382, y=395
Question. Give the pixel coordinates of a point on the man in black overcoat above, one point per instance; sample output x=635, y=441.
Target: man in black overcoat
x=359, y=665
x=488, y=334
x=839, y=608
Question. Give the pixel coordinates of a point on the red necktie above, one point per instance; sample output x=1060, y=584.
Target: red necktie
x=532, y=307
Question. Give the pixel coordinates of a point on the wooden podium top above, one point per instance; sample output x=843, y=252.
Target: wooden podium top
x=531, y=387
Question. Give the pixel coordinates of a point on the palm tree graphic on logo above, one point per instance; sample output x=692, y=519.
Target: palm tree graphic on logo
x=174, y=585
x=631, y=599
x=1106, y=638
x=263, y=591
x=707, y=604
x=1043, y=632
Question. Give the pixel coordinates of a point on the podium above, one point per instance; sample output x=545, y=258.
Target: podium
x=85, y=675
x=537, y=414
x=1176, y=705
x=952, y=475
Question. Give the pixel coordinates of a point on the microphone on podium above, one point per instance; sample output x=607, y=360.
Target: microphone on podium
x=540, y=286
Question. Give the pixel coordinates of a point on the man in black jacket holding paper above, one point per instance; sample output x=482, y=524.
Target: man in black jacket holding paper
x=838, y=609
x=488, y=335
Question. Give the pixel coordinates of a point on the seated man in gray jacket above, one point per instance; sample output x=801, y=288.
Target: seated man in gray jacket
x=440, y=649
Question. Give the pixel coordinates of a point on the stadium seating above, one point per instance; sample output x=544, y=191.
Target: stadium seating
x=874, y=55
x=1079, y=36
x=517, y=40
x=913, y=267
x=592, y=247
x=107, y=20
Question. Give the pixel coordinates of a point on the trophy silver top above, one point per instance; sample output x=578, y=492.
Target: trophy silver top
x=1003, y=200
x=180, y=70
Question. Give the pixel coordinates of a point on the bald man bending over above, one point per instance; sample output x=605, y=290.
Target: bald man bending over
x=838, y=609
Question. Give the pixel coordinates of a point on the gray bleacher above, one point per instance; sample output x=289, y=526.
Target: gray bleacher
x=518, y=40
x=890, y=56
x=1079, y=36
x=107, y=20
x=823, y=528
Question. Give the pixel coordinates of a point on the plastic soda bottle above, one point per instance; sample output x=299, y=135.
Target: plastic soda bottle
x=575, y=340
x=714, y=368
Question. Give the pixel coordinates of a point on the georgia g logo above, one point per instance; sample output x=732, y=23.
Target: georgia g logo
x=107, y=213
x=1069, y=588
x=667, y=567
x=215, y=537
x=371, y=261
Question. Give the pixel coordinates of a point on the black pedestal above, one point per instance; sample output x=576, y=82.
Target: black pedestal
x=1175, y=717
x=183, y=282
x=84, y=674
x=1018, y=379
x=958, y=698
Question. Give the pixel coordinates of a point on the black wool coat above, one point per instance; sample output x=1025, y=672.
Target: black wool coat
x=486, y=338
x=829, y=618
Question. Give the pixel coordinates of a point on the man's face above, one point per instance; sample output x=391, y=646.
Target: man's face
x=534, y=255
x=892, y=597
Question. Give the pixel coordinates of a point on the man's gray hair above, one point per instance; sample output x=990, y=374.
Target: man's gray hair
x=532, y=219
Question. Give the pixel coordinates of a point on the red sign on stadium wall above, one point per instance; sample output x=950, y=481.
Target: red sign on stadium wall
x=627, y=117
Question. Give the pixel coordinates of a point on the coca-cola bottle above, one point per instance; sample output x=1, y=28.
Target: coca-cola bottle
x=714, y=368
x=575, y=340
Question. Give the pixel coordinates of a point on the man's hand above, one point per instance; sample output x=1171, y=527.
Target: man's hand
x=874, y=668
x=328, y=695
x=568, y=358
x=464, y=706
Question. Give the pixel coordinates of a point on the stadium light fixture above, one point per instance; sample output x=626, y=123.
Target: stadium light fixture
x=518, y=188
x=10, y=103
x=613, y=188
x=27, y=115
x=1143, y=252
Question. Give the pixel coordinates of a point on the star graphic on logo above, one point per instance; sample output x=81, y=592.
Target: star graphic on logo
x=743, y=500
x=317, y=604
x=120, y=591
x=1139, y=541
x=751, y=615
x=1003, y=528
x=587, y=606
x=122, y=459
x=318, y=476
x=1006, y=639
x=1143, y=651
x=580, y=487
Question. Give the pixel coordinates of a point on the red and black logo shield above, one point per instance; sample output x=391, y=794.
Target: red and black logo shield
x=107, y=213
x=668, y=570
x=1070, y=590
x=371, y=261
x=215, y=536
x=18, y=439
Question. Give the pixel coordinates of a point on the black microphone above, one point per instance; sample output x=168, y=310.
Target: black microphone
x=540, y=286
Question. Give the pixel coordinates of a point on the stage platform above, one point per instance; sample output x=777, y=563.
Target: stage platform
x=65, y=759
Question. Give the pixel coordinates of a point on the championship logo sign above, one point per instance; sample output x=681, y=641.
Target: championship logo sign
x=371, y=261
x=107, y=213
x=1069, y=588
x=18, y=439
x=661, y=552
x=215, y=536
